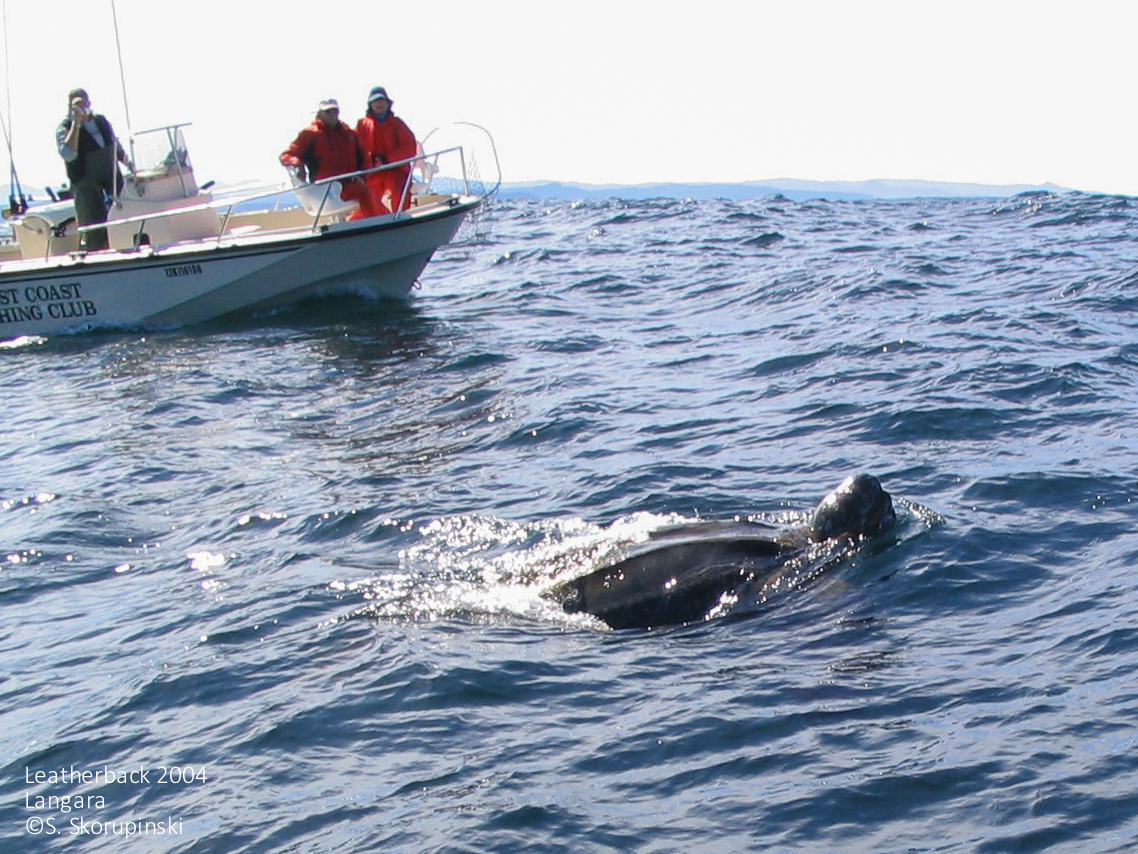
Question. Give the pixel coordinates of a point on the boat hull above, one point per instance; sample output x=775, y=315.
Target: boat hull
x=205, y=279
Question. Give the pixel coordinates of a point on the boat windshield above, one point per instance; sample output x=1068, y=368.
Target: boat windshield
x=162, y=153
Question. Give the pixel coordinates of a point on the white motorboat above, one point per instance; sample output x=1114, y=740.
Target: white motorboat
x=177, y=256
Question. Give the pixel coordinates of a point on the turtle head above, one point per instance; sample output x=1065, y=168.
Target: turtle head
x=859, y=506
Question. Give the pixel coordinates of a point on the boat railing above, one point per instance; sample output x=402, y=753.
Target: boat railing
x=226, y=208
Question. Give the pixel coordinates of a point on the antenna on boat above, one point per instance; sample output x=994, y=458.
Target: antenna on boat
x=125, y=100
x=122, y=80
x=17, y=204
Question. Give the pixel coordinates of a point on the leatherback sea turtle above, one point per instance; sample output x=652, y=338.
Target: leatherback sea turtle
x=683, y=572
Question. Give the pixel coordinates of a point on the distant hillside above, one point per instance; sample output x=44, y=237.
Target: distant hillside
x=786, y=187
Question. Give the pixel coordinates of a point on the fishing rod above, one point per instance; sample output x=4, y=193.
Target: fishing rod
x=17, y=204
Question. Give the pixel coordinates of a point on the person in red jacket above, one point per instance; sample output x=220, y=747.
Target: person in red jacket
x=327, y=148
x=385, y=138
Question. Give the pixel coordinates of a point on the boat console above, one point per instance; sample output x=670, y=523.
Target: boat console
x=163, y=180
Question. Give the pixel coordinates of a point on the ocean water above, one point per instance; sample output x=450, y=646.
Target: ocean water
x=278, y=584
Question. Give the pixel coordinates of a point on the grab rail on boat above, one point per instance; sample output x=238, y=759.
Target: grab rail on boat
x=228, y=205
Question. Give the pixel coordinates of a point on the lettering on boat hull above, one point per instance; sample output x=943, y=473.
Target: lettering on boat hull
x=184, y=270
x=35, y=302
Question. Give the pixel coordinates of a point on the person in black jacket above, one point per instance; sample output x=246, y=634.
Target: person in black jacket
x=88, y=146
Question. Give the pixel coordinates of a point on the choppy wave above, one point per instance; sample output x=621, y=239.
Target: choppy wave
x=307, y=552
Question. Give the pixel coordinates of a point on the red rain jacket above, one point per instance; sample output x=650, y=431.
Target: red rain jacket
x=325, y=152
x=387, y=141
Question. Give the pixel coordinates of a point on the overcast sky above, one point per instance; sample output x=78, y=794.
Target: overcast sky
x=611, y=91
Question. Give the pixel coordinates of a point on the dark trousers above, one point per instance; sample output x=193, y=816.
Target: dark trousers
x=90, y=199
x=90, y=208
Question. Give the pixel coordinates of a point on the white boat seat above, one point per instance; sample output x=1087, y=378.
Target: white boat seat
x=44, y=226
x=311, y=197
